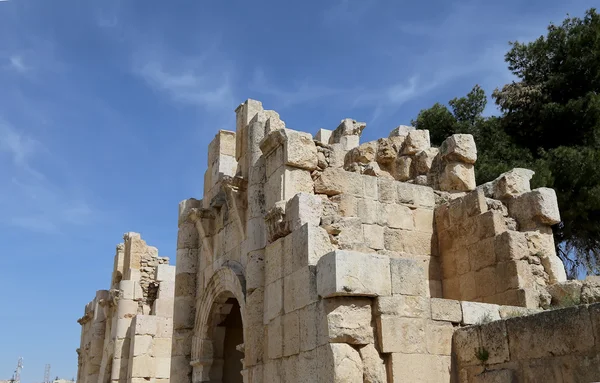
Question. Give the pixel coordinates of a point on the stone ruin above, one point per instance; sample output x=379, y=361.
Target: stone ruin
x=320, y=259
x=126, y=330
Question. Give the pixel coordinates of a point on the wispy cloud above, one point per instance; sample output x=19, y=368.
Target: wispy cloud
x=345, y=10
x=17, y=64
x=31, y=199
x=299, y=93
x=195, y=80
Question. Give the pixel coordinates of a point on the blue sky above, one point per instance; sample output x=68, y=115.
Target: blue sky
x=107, y=108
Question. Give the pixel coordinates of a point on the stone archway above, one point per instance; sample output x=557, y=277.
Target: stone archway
x=218, y=332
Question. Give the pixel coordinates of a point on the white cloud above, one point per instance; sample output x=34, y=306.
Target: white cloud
x=32, y=198
x=198, y=80
x=16, y=62
x=301, y=92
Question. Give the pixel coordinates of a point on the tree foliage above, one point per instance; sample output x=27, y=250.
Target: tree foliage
x=549, y=122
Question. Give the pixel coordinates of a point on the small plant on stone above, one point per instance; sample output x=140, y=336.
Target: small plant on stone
x=482, y=355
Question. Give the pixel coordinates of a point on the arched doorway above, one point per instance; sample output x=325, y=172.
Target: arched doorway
x=218, y=347
x=228, y=340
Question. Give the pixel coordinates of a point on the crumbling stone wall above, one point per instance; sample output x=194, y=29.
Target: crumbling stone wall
x=126, y=330
x=350, y=262
x=554, y=346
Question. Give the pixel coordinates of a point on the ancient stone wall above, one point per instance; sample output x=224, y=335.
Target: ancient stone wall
x=126, y=330
x=554, y=346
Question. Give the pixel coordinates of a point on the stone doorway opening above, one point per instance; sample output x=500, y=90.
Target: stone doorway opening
x=229, y=342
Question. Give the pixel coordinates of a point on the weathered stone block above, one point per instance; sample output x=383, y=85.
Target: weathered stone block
x=335, y=181
x=408, y=277
x=346, y=320
x=412, y=242
x=406, y=335
x=373, y=235
x=273, y=300
x=446, y=310
x=373, y=365
x=275, y=338
x=404, y=306
x=460, y=148
x=300, y=289
x=416, y=141
x=350, y=273
x=474, y=312
x=439, y=337
x=457, y=176
x=339, y=363
x=537, y=206
x=302, y=209
x=416, y=368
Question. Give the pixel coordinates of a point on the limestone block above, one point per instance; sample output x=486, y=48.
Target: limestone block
x=509, y=184
x=162, y=367
x=412, y=242
x=402, y=168
x=166, y=290
x=161, y=347
x=459, y=148
x=308, y=244
x=387, y=190
x=401, y=130
x=416, y=195
x=349, y=233
x=300, y=289
x=439, y=337
x=423, y=220
x=123, y=328
x=457, y=176
x=368, y=211
x=398, y=216
x=541, y=244
x=408, y=277
x=286, y=182
x=363, y=154
x=465, y=342
x=373, y=236
x=302, y=209
x=127, y=289
x=510, y=245
x=299, y=149
x=404, y=306
x=142, y=366
x=346, y=320
x=142, y=345
x=245, y=113
x=537, y=206
x=416, y=141
x=474, y=312
x=163, y=307
x=423, y=160
x=307, y=317
x=350, y=273
x=550, y=334
x=446, y=310
x=398, y=334
x=122, y=348
x=181, y=370
x=273, y=300
x=255, y=270
x=339, y=363
x=497, y=376
x=347, y=133
x=323, y=135
x=495, y=339
x=291, y=334
x=165, y=273
x=127, y=308
x=274, y=261
x=275, y=338
x=590, y=292
x=185, y=285
x=373, y=365
x=272, y=371
x=482, y=254
x=335, y=181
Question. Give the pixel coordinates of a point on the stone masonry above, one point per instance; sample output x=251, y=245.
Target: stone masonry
x=350, y=262
x=126, y=330
x=321, y=259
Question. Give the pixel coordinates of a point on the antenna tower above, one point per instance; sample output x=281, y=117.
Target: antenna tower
x=47, y=374
x=17, y=375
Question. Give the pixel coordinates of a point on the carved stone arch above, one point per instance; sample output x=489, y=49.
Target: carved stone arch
x=213, y=306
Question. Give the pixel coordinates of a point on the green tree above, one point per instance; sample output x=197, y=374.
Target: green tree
x=549, y=122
